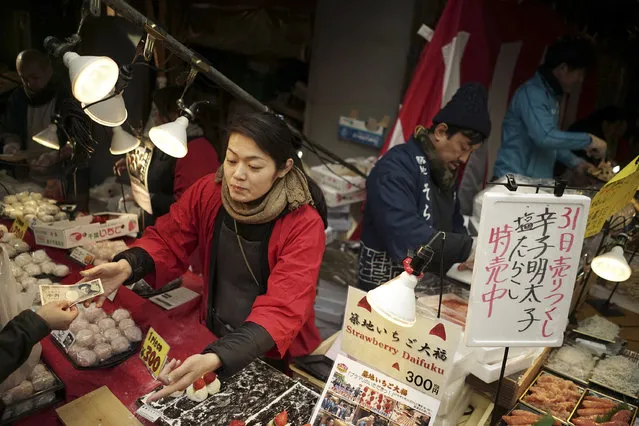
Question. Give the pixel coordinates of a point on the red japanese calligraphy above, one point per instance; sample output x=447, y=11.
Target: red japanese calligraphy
x=500, y=239
x=543, y=328
x=560, y=267
x=565, y=242
x=571, y=218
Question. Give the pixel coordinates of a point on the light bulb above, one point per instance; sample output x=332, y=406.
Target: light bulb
x=92, y=77
x=170, y=138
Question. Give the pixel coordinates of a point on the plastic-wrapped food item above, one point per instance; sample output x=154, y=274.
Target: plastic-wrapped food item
x=94, y=314
x=99, y=338
x=43, y=381
x=61, y=271
x=16, y=271
x=36, y=196
x=77, y=325
x=600, y=327
x=47, y=267
x=112, y=333
x=23, y=391
x=103, y=351
x=120, y=314
x=38, y=369
x=22, y=196
x=23, y=259
x=120, y=344
x=22, y=407
x=106, y=323
x=94, y=328
x=7, y=397
x=44, y=399
x=618, y=373
x=20, y=246
x=86, y=358
x=85, y=338
x=133, y=334
x=10, y=199
x=40, y=256
x=32, y=269
x=126, y=323
x=11, y=252
x=28, y=281
x=60, y=216
x=29, y=210
x=74, y=350
x=44, y=281
x=29, y=218
x=46, y=218
x=572, y=361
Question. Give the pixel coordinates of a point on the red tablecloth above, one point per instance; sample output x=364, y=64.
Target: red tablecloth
x=130, y=380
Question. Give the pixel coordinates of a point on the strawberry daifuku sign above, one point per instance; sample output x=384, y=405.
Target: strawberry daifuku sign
x=420, y=356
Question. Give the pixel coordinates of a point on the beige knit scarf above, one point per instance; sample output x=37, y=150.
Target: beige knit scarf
x=289, y=192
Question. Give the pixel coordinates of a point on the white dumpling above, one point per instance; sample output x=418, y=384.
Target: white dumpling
x=120, y=314
x=112, y=333
x=46, y=218
x=16, y=271
x=133, y=334
x=77, y=325
x=40, y=256
x=106, y=324
x=126, y=323
x=29, y=210
x=60, y=216
x=47, y=267
x=103, y=351
x=33, y=269
x=10, y=199
x=36, y=196
x=38, y=369
x=74, y=350
x=196, y=395
x=43, y=381
x=86, y=358
x=28, y=281
x=61, y=271
x=119, y=344
x=44, y=281
x=94, y=314
x=29, y=218
x=20, y=246
x=85, y=337
x=99, y=338
x=23, y=259
x=94, y=328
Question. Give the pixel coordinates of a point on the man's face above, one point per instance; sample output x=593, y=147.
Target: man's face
x=34, y=77
x=453, y=151
x=569, y=79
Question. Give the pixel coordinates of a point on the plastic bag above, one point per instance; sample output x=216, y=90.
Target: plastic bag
x=12, y=302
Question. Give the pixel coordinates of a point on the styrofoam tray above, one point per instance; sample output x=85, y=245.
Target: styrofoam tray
x=452, y=395
x=485, y=355
x=489, y=373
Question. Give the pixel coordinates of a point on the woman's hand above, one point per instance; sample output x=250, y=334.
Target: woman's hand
x=191, y=369
x=112, y=275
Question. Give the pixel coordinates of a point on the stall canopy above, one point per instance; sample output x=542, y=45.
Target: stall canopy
x=499, y=43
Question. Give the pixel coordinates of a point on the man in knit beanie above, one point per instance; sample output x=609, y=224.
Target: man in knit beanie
x=411, y=191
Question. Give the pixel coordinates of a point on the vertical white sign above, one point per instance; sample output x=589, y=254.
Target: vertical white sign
x=526, y=262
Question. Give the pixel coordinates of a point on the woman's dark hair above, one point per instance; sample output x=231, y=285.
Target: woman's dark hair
x=272, y=135
x=575, y=51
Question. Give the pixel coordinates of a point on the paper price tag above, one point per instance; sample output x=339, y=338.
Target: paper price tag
x=154, y=352
x=19, y=227
x=82, y=256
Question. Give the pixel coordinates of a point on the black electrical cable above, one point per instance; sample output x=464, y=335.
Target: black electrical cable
x=123, y=198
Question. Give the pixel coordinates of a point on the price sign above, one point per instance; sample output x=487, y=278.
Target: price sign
x=19, y=227
x=154, y=352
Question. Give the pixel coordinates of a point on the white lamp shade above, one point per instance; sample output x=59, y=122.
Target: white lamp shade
x=612, y=266
x=170, y=138
x=48, y=137
x=395, y=300
x=110, y=113
x=122, y=141
x=92, y=77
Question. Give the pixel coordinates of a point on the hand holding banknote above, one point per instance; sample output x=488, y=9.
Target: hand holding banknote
x=76, y=293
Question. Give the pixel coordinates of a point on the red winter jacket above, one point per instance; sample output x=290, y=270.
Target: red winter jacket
x=295, y=253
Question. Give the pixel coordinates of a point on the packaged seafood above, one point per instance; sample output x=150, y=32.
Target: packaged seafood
x=572, y=361
x=599, y=327
x=549, y=393
x=618, y=373
x=597, y=409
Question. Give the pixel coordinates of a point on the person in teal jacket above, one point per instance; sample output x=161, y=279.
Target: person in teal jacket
x=531, y=138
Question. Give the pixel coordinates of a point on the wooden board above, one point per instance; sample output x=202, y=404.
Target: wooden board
x=99, y=407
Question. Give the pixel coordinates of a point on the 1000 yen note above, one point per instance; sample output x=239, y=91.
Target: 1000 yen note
x=75, y=293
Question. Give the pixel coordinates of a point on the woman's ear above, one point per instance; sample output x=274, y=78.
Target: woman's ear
x=287, y=168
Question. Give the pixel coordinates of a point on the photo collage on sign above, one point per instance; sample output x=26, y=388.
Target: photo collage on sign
x=349, y=402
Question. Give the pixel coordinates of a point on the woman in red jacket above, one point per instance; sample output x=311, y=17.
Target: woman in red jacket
x=258, y=226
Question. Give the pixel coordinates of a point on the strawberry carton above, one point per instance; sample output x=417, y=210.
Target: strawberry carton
x=86, y=229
